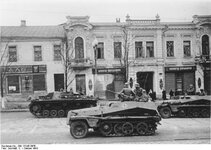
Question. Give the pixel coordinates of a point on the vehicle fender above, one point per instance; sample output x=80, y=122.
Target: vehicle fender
x=174, y=108
x=92, y=122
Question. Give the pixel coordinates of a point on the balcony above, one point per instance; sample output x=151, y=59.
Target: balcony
x=81, y=63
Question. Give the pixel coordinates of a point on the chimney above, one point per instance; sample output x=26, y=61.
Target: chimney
x=117, y=20
x=23, y=23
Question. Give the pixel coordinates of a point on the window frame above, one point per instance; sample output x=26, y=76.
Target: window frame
x=101, y=50
x=170, y=49
x=153, y=49
x=9, y=53
x=138, y=50
x=57, y=56
x=118, y=51
x=40, y=57
x=184, y=46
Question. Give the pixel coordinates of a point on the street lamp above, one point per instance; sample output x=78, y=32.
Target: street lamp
x=94, y=45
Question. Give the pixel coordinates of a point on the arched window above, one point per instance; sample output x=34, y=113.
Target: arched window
x=79, y=48
x=205, y=45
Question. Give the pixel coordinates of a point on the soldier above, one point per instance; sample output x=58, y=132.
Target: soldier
x=127, y=93
x=138, y=92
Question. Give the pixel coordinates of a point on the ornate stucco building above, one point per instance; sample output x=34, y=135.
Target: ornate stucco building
x=161, y=56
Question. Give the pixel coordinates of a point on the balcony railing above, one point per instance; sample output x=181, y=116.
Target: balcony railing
x=81, y=63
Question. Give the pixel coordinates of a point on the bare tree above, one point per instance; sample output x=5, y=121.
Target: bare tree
x=4, y=64
x=124, y=56
x=67, y=57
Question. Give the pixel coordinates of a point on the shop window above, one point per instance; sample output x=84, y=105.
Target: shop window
x=79, y=48
x=12, y=54
x=150, y=49
x=186, y=48
x=13, y=84
x=205, y=46
x=100, y=50
x=117, y=49
x=139, y=50
x=39, y=82
x=57, y=52
x=37, y=53
x=170, y=48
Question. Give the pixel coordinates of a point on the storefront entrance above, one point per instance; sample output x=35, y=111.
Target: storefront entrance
x=58, y=82
x=178, y=79
x=81, y=83
x=145, y=79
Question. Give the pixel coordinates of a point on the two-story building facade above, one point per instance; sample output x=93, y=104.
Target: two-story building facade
x=161, y=56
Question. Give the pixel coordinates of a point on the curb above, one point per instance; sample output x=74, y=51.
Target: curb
x=15, y=110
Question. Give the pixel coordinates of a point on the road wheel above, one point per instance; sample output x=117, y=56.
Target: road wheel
x=127, y=128
x=78, y=129
x=118, y=129
x=182, y=113
x=46, y=113
x=105, y=128
x=142, y=128
x=61, y=113
x=53, y=113
x=195, y=113
x=165, y=112
x=205, y=113
x=36, y=108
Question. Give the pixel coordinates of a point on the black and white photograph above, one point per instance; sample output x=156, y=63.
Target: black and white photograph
x=117, y=73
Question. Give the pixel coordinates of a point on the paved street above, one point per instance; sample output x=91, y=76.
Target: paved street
x=23, y=128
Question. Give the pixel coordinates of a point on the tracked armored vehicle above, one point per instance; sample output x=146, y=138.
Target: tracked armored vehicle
x=190, y=106
x=47, y=106
x=119, y=119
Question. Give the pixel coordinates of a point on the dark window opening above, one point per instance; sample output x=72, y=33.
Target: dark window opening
x=100, y=50
x=57, y=52
x=12, y=54
x=39, y=82
x=37, y=53
x=139, y=50
x=13, y=84
x=117, y=49
x=186, y=48
x=170, y=48
x=205, y=46
x=150, y=49
x=79, y=48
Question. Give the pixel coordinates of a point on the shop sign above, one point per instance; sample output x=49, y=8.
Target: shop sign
x=182, y=68
x=109, y=71
x=25, y=69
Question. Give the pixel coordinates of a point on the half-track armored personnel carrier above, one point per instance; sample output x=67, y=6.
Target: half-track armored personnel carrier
x=189, y=106
x=118, y=119
x=47, y=106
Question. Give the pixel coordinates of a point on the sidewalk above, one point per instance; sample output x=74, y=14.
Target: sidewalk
x=14, y=106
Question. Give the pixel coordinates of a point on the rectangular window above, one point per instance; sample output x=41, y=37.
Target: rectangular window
x=139, y=50
x=100, y=50
x=57, y=52
x=39, y=82
x=37, y=53
x=13, y=84
x=186, y=48
x=150, y=49
x=12, y=54
x=170, y=48
x=117, y=49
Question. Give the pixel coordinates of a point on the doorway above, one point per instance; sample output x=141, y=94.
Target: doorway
x=58, y=82
x=81, y=84
x=145, y=79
